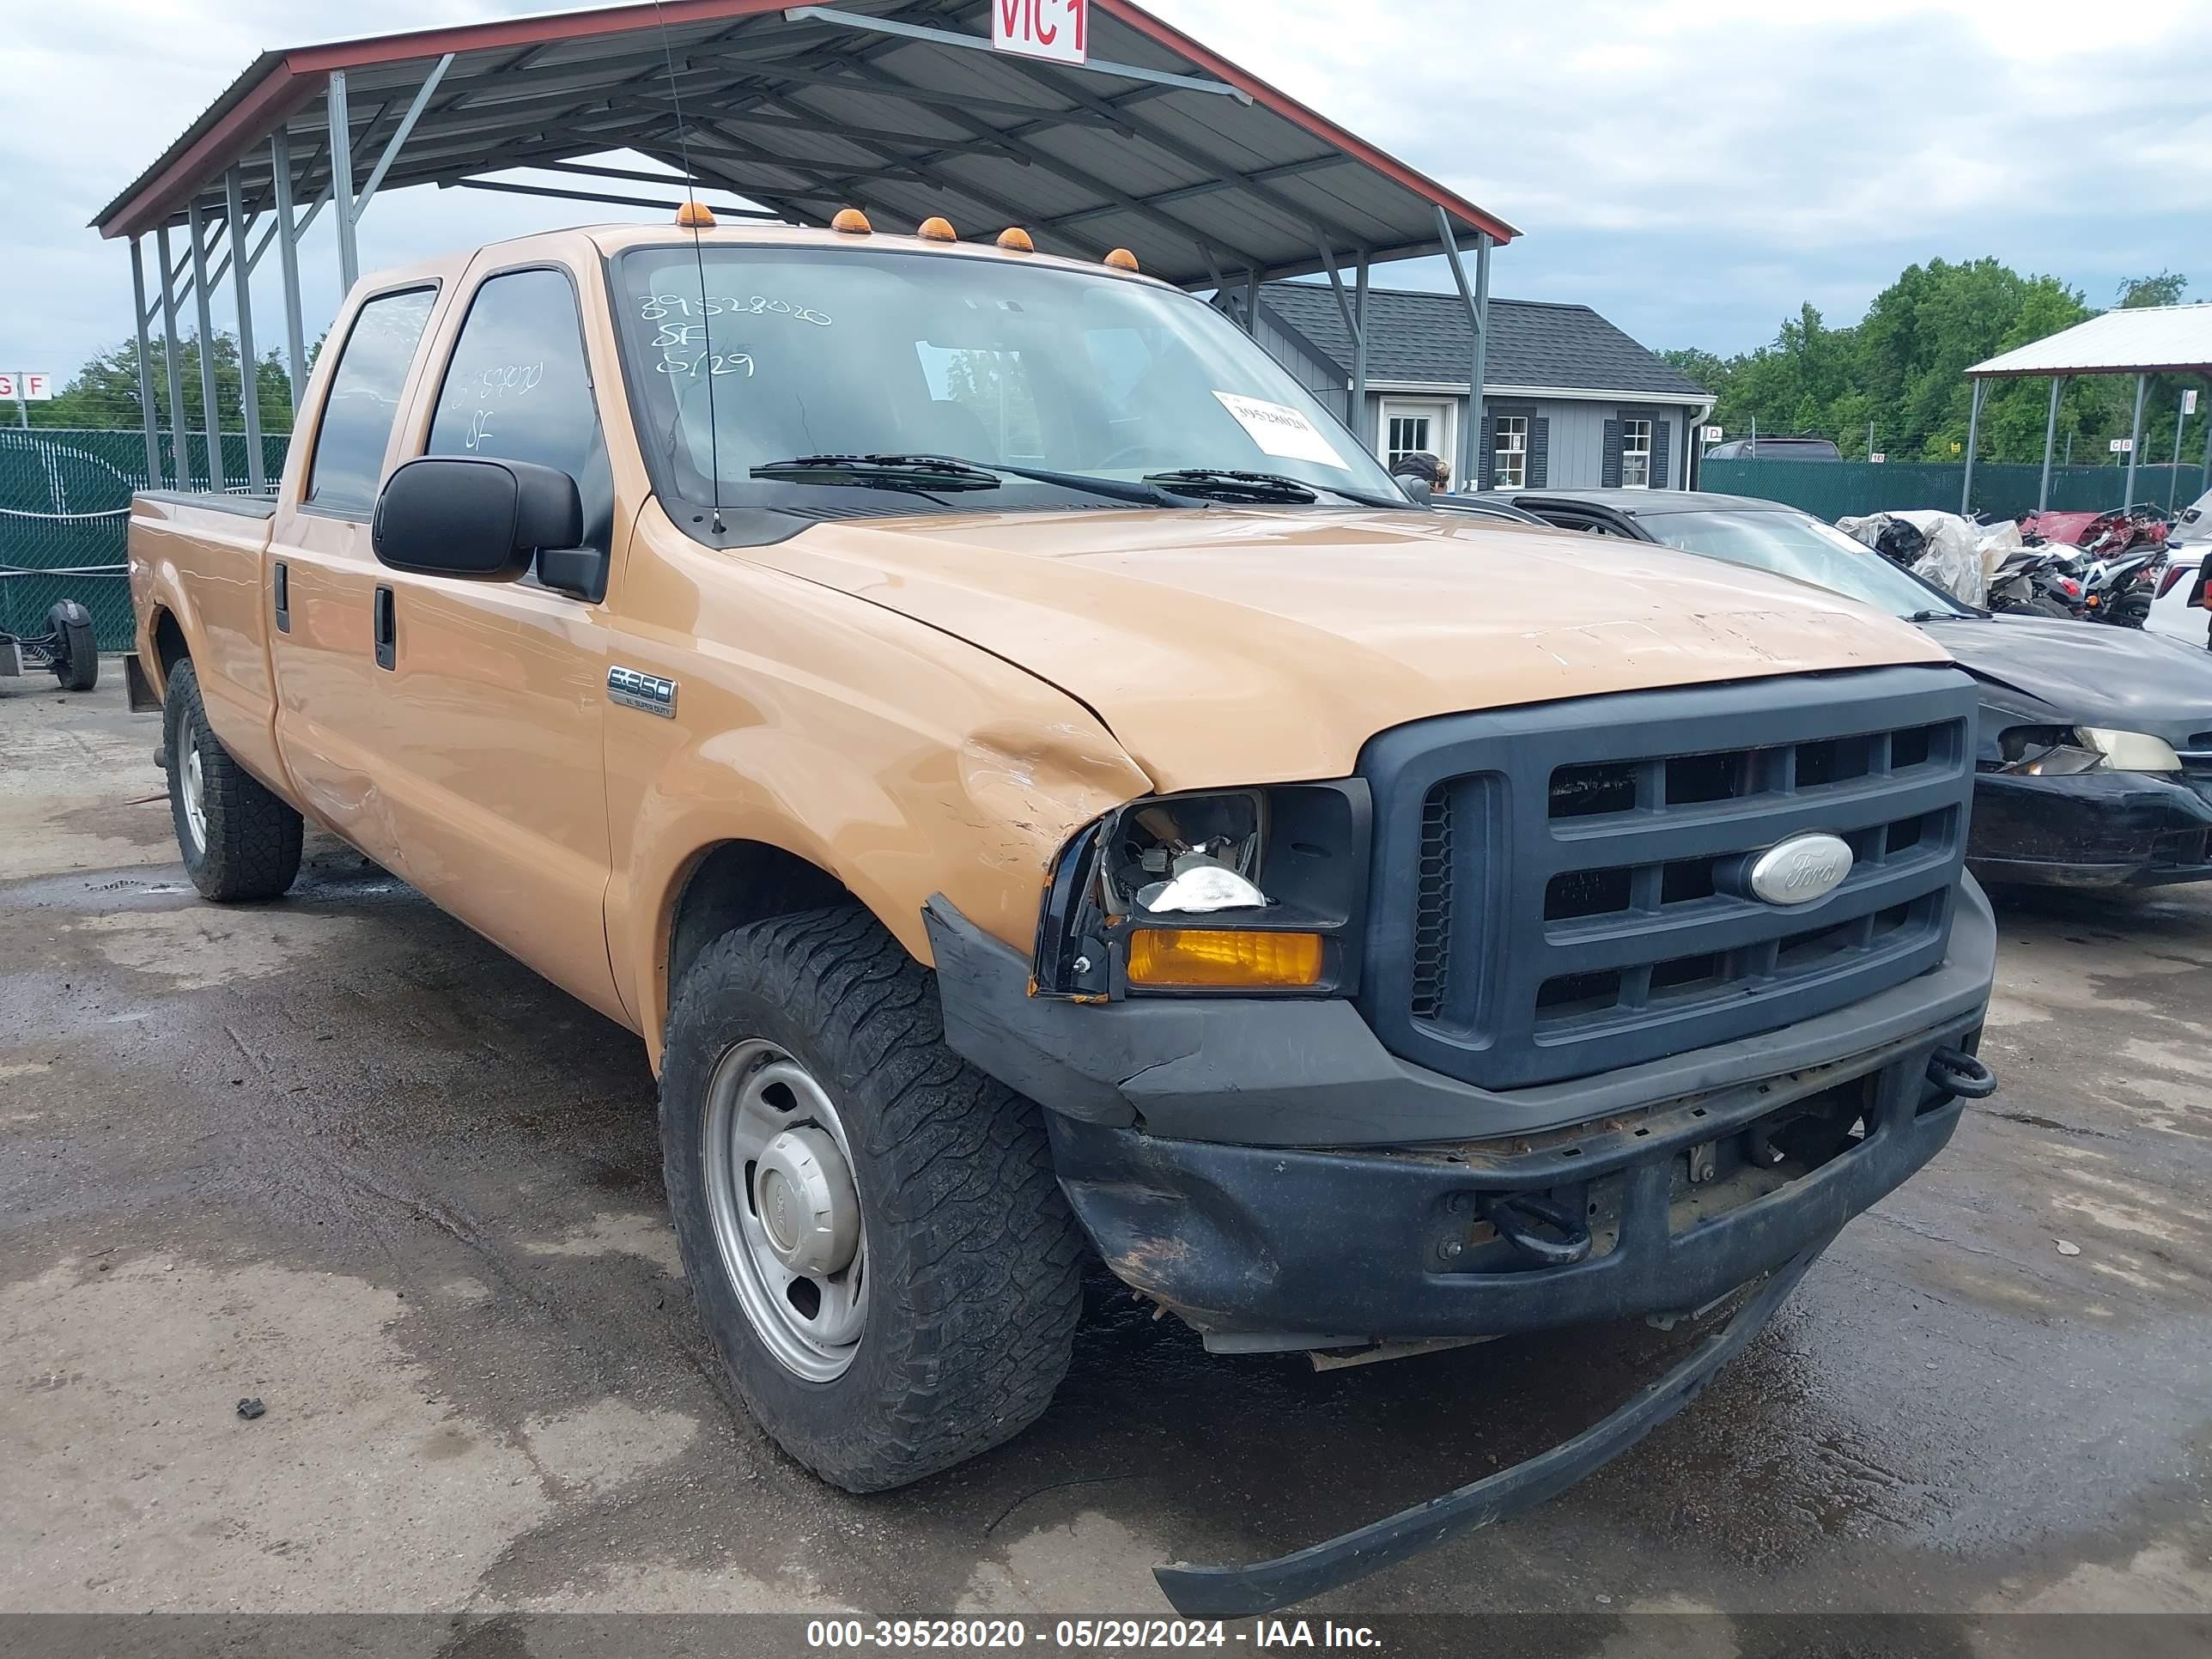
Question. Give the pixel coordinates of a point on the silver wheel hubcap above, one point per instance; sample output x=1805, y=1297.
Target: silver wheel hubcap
x=785, y=1213
x=192, y=778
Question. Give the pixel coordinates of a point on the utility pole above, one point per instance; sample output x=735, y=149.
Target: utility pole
x=2173, y=478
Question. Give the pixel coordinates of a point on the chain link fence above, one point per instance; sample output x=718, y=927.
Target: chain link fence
x=65, y=508
x=1836, y=490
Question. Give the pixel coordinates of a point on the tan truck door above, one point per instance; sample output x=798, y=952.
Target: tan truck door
x=497, y=690
x=334, y=724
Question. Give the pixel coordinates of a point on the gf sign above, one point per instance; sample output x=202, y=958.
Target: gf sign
x=26, y=388
x=1056, y=30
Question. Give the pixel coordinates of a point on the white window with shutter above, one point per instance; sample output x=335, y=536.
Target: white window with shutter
x=1635, y=454
x=1509, y=453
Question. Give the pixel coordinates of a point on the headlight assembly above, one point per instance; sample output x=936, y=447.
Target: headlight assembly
x=1241, y=891
x=2058, y=751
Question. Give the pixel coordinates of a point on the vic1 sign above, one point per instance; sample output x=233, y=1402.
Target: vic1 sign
x=26, y=388
x=1057, y=29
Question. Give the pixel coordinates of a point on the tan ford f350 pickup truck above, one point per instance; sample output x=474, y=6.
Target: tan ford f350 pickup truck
x=1038, y=787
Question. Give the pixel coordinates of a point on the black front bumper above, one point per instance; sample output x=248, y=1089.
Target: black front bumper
x=2095, y=829
x=1269, y=1171
x=1336, y=1248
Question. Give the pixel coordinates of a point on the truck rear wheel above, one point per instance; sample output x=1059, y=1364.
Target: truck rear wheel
x=871, y=1226
x=239, y=840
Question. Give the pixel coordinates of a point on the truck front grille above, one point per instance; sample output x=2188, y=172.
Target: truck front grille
x=1562, y=890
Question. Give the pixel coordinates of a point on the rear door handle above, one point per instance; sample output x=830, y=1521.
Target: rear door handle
x=284, y=596
x=386, y=629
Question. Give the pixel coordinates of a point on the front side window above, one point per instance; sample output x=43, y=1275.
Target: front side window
x=740, y=357
x=1636, y=454
x=518, y=388
x=1509, y=459
x=364, y=401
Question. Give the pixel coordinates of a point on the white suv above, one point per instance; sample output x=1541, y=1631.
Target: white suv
x=2178, y=611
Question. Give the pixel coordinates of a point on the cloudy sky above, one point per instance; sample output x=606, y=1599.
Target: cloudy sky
x=1693, y=171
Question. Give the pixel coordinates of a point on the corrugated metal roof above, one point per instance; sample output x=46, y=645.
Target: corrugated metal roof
x=806, y=115
x=2146, y=339
x=1424, y=337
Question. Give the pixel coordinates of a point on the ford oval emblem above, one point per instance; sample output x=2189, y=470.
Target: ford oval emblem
x=1802, y=869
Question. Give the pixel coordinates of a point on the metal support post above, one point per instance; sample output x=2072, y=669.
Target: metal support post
x=288, y=252
x=152, y=420
x=181, y=457
x=2050, y=443
x=341, y=197
x=1981, y=390
x=2134, y=443
x=210, y=411
x=249, y=362
x=1368, y=434
x=1470, y=426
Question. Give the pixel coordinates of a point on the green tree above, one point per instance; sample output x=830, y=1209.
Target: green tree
x=104, y=392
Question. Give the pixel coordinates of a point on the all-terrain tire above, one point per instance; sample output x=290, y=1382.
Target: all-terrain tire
x=247, y=844
x=974, y=1259
x=78, y=668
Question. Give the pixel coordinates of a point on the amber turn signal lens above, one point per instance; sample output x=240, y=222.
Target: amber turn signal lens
x=1192, y=958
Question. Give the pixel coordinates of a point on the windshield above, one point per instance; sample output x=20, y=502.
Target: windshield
x=1797, y=544
x=811, y=351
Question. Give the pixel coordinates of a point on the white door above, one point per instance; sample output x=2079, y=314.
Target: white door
x=1408, y=426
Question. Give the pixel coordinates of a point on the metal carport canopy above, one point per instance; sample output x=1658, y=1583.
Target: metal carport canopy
x=1206, y=171
x=2138, y=340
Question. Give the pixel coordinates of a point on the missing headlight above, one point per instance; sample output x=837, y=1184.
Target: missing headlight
x=1176, y=848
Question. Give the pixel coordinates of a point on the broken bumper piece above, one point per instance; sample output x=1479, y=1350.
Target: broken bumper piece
x=1199, y=1592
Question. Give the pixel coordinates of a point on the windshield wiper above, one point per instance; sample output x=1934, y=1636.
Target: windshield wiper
x=933, y=473
x=918, y=474
x=1222, y=483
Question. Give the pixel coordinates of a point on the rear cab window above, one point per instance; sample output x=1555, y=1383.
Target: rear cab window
x=364, y=401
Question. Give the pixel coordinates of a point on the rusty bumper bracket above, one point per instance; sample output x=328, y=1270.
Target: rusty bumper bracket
x=1244, y=1592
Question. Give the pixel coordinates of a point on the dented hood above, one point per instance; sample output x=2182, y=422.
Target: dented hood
x=1227, y=646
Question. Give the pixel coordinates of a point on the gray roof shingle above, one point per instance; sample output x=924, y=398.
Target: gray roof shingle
x=1425, y=337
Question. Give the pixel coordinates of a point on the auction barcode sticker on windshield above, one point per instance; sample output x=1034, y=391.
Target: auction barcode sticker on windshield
x=1280, y=430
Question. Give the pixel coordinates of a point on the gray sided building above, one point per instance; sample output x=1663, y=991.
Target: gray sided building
x=1570, y=403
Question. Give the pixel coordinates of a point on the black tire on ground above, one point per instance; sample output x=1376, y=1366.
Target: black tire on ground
x=973, y=1260
x=247, y=845
x=77, y=664
x=2041, y=607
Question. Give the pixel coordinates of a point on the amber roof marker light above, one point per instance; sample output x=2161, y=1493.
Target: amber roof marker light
x=1121, y=259
x=1015, y=239
x=850, y=222
x=935, y=229
x=696, y=216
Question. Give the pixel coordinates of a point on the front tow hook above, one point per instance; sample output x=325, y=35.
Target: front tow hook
x=1957, y=1072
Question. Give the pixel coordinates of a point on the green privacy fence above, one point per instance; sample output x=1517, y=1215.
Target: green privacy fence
x=65, y=508
x=1836, y=490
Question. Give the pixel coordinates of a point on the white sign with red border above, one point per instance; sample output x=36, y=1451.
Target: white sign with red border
x=26, y=388
x=1058, y=30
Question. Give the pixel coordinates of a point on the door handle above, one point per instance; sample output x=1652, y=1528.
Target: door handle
x=386, y=629
x=283, y=581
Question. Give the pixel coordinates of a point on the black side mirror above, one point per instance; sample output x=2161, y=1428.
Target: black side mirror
x=1418, y=489
x=486, y=520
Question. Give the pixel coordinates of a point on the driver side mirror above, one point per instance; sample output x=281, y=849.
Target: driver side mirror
x=1418, y=489
x=486, y=520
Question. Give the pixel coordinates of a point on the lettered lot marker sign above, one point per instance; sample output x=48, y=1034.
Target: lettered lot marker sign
x=1056, y=30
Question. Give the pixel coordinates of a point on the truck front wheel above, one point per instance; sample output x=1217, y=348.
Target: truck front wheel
x=872, y=1227
x=239, y=840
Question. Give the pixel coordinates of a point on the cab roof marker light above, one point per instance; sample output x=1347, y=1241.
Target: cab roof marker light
x=1121, y=259
x=850, y=222
x=936, y=229
x=1015, y=239
x=694, y=215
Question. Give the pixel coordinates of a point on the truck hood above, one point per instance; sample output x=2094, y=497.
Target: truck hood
x=1232, y=646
